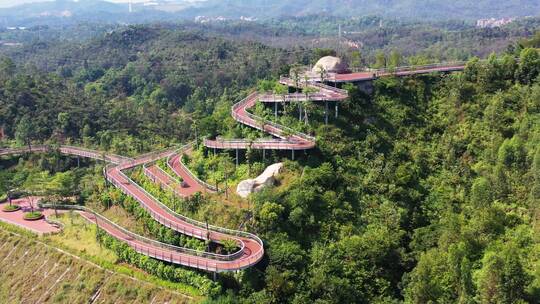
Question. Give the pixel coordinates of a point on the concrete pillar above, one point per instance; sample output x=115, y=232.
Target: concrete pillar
x=292, y=154
x=264, y=154
x=275, y=109
x=336, y=109
x=78, y=162
x=236, y=157
x=325, y=112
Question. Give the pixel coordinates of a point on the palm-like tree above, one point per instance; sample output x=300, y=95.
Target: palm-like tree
x=295, y=73
x=323, y=73
x=227, y=167
x=308, y=103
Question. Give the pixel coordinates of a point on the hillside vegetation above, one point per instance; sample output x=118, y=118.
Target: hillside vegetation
x=426, y=191
x=35, y=273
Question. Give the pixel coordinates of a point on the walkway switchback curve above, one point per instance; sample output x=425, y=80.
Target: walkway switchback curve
x=251, y=247
x=288, y=139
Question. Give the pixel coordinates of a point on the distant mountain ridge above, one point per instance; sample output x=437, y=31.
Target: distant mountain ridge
x=81, y=7
x=425, y=9
x=99, y=10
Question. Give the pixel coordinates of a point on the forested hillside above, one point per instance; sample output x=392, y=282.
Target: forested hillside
x=126, y=89
x=426, y=191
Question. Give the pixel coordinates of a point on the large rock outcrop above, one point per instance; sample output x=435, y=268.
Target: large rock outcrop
x=330, y=64
x=266, y=179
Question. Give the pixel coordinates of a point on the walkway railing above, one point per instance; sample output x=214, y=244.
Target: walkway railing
x=268, y=144
x=181, y=151
x=82, y=152
x=200, y=233
x=175, y=221
x=140, y=238
x=157, y=180
x=382, y=71
x=258, y=122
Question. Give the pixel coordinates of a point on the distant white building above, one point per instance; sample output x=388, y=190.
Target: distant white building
x=492, y=22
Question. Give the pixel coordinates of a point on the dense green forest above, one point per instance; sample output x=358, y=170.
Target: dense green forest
x=52, y=47
x=426, y=191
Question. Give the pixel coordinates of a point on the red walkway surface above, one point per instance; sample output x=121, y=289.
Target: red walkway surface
x=251, y=251
x=288, y=138
x=367, y=76
x=16, y=218
x=191, y=184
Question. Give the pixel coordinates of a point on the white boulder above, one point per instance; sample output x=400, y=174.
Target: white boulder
x=266, y=179
x=330, y=64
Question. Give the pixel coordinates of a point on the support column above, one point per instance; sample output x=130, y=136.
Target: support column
x=264, y=155
x=292, y=154
x=336, y=109
x=299, y=111
x=275, y=109
x=78, y=162
x=325, y=112
x=237, y=157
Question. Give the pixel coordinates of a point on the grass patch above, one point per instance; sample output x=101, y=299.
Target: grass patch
x=37, y=273
x=11, y=208
x=79, y=235
x=79, y=238
x=33, y=216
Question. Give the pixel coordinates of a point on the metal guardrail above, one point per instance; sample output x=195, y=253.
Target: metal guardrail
x=256, y=119
x=83, y=152
x=203, y=184
x=172, y=225
x=315, y=82
x=143, y=239
x=298, y=97
x=450, y=64
x=276, y=144
x=345, y=93
x=254, y=257
x=157, y=180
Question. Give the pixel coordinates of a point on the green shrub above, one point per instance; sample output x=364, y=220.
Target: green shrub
x=32, y=216
x=160, y=269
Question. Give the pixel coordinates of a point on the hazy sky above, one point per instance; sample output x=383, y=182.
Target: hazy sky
x=7, y=3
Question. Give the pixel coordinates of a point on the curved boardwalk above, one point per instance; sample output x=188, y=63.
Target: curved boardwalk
x=251, y=247
x=288, y=139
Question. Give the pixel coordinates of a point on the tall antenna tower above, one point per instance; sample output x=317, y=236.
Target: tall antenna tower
x=130, y=6
x=340, y=44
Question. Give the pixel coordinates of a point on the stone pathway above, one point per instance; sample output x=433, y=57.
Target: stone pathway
x=16, y=218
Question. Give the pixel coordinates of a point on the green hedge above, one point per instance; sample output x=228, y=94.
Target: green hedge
x=157, y=230
x=160, y=269
x=162, y=163
x=186, y=206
